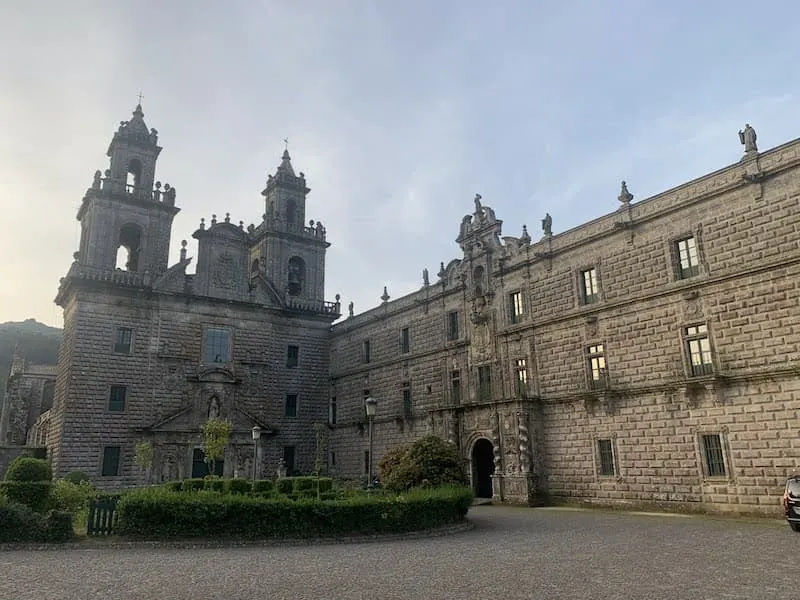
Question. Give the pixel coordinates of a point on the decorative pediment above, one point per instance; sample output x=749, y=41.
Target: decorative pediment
x=216, y=373
x=190, y=418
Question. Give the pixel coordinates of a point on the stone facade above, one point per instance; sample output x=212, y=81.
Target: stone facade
x=150, y=352
x=647, y=357
x=29, y=392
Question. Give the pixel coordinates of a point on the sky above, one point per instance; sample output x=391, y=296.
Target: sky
x=397, y=112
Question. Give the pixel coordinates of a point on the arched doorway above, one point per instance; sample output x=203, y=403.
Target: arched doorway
x=482, y=468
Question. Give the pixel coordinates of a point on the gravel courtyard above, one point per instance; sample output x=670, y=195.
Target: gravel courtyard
x=512, y=553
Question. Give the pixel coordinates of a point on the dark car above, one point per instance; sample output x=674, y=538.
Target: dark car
x=791, y=502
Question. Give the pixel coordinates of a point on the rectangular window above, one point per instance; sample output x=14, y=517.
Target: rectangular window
x=217, y=347
x=455, y=386
x=484, y=383
x=589, y=289
x=698, y=350
x=290, y=406
x=110, y=466
x=332, y=411
x=332, y=458
x=686, y=254
x=407, y=407
x=405, y=341
x=365, y=351
x=292, y=356
x=515, y=306
x=116, y=399
x=289, y=459
x=122, y=340
x=366, y=462
x=452, y=326
x=598, y=374
x=606, y=453
x=713, y=455
x=521, y=376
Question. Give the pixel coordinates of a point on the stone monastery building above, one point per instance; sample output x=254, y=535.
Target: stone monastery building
x=648, y=356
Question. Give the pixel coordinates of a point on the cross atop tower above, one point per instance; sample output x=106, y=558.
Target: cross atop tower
x=140, y=97
x=286, y=144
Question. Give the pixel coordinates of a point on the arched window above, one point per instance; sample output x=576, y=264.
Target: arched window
x=134, y=174
x=128, y=247
x=296, y=275
x=254, y=267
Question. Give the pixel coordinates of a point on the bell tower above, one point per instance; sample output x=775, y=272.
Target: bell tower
x=291, y=253
x=126, y=216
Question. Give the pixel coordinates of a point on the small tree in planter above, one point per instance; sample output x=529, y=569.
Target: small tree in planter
x=216, y=433
x=144, y=458
x=322, y=445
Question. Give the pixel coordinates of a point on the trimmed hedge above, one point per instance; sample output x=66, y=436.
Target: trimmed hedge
x=25, y=468
x=161, y=513
x=18, y=523
x=34, y=494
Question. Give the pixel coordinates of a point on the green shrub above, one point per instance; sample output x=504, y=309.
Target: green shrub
x=284, y=485
x=239, y=486
x=263, y=487
x=18, y=523
x=57, y=527
x=33, y=494
x=24, y=468
x=175, y=486
x=77, y=477
x=429, y=462
x=325, y=484
x=304, y=483
x=160, y=513
x=216, y=484
x=71, y=497
x=390, y=461
x=193, y=485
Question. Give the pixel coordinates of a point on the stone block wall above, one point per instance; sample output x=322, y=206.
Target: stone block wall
x=652, y=408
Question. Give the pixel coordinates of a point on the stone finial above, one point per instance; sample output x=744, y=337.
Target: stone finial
x=350, y=308
x=202, y=222
x=441, y=272
x=748, y=139
x=213, y=219
x=547, y=225
x=385, y=296
x=227, y=217
x=311, y=223
x=625, y=196
x=251, y=228
x=76, y=256
x=96, y=181
x=241, y=225
x=425, y=280
x=525, y=238
x=183, y=250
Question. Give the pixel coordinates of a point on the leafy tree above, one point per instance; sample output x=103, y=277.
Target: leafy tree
x=144, y=456
x=216, y=433
x=322, y=445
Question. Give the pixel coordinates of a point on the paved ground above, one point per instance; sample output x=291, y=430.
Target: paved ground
x=512, y=553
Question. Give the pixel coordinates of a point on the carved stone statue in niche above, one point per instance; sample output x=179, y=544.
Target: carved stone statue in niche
x=213, y=408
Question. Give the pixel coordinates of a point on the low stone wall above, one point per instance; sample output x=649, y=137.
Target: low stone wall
x=9, y=453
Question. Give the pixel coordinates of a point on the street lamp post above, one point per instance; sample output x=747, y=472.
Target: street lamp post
x=256, y=436
x=370, y=404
